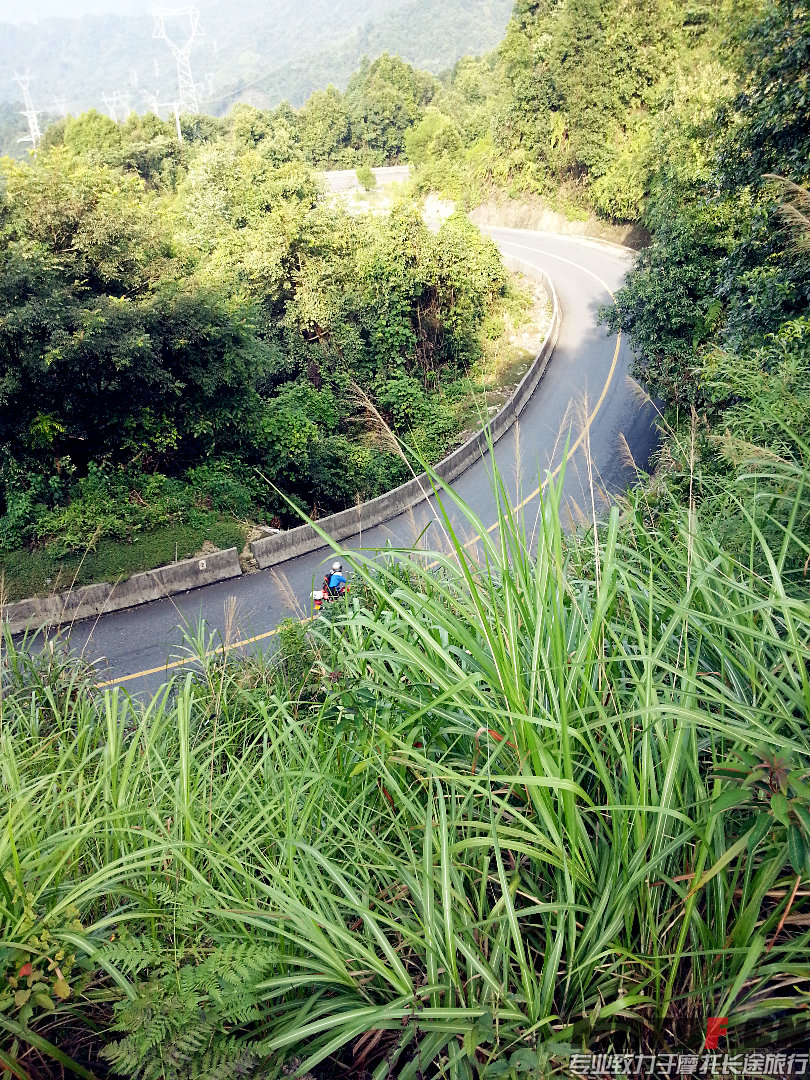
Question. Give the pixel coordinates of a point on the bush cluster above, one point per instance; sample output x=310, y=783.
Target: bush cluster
x=232, y=346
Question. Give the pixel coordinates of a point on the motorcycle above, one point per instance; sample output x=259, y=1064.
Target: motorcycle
x=325, y=595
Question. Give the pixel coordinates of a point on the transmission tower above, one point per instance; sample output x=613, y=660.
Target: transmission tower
x=29, y=112
x=118, y=101
x=174, y=106
x=188, y=102
x=112, y=105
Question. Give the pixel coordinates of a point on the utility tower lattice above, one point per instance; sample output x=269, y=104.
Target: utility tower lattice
x=116, y=102
x=29, y=112
x=188, y=102
x=112, y=106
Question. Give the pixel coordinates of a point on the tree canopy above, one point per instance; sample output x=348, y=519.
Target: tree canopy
x=158, y=314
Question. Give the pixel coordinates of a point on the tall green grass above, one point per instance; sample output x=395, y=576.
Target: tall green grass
x=479, y=815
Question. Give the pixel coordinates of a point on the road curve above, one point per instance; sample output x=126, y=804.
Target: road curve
x=585, y=396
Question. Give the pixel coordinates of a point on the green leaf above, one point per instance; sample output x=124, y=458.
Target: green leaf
x=803, y=814
x=43, y=1001
x=13, y=1067
x=730, y=772
x=796, y=849
x=729, y=798
x=800, y=786
x=747, y=759
x=781, y=808
x=486, y=1025
x=721, y=863
x=762, y=825
x=496, y=1069
x=524, y=1060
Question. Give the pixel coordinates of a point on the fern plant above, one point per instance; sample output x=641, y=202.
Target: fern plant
x=192, y=1016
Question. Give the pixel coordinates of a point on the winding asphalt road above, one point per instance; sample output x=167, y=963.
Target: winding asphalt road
x=585, y=396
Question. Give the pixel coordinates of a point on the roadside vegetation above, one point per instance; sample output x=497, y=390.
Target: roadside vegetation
x=44, y=568
x=512, y=798
x=522, y=795
x=690, y=121
x=198, y=320
x=186, y=346
x=181, y=357
x=717, y=305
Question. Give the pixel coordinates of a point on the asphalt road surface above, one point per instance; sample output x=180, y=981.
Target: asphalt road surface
x=346, y=179
x=585, y=396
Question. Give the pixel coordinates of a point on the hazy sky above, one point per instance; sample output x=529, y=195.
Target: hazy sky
x=32, y=10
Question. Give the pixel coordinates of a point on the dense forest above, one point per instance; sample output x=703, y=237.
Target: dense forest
x=513, y=800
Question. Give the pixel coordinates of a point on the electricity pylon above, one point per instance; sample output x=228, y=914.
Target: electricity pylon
x=188, y=101
x=29, y=112
x=116, y=102
x=112, y=105
x=155, y=106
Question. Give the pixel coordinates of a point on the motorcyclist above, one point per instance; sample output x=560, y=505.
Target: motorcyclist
x=335, y=581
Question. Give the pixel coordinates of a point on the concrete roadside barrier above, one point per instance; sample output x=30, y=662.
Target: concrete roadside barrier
x=90, y=601
x=271, y=550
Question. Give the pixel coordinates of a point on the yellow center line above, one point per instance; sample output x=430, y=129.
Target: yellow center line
x=219, y=651
x=223, y=649
x=587, y=425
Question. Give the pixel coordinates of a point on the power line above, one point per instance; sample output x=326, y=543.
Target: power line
x=188, y=102
x=299, y=30
x=29, y=112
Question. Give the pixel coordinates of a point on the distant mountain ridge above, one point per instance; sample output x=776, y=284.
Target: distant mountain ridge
x=247, y=51
x=428, y=34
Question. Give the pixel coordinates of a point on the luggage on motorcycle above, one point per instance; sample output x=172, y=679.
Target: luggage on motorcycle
x=325, y=596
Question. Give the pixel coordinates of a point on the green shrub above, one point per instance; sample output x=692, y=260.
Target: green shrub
x=366, y=178
x=229, y=487
x=343, y=472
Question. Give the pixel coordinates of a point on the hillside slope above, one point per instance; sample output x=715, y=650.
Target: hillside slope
x=282, y=53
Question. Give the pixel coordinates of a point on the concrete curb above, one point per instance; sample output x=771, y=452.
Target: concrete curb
x=270, y=551
x=91, y=601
